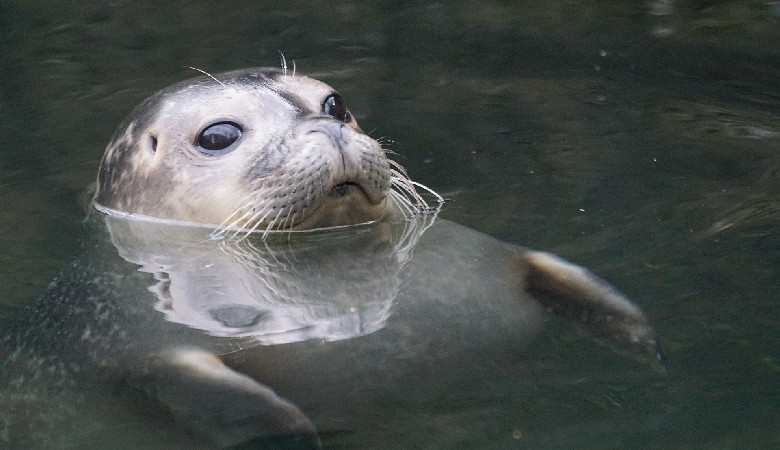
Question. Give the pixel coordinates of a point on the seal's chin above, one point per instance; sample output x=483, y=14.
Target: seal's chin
x=346, y=204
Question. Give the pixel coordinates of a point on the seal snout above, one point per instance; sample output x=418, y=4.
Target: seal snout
x=334, y=131
x=356, y=162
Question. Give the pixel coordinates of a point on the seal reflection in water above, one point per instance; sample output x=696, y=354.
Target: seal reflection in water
x=259, y=273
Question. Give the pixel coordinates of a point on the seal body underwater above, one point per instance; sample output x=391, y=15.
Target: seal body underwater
x=259, y=273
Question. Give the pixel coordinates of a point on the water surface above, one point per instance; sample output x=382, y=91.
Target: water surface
x=637, y=138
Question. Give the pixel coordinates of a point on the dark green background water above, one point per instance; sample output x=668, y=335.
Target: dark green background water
x=641, y=139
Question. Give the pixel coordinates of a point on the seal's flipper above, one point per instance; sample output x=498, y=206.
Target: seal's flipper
x=217, y=403
x=574, y=292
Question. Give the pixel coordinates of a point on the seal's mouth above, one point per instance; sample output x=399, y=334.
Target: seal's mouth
x=347, y=203
x=350, y=188
x=342, y=189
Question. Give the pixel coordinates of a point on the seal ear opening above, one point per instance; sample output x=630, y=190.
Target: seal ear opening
x=151, y=146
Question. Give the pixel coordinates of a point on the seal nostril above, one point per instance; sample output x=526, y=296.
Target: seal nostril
x=154, y=144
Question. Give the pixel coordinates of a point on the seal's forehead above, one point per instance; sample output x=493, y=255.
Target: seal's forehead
x=305, y=87
x=226, y=94
x=275, y=78
x=304, y=93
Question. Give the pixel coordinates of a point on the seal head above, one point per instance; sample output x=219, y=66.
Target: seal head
x=255, y=148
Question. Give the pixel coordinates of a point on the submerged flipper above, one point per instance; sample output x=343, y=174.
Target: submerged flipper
x=574, y=292
x=212, y=401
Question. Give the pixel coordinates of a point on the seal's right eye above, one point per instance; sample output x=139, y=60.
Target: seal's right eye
x=218, y=138
x=334, y=106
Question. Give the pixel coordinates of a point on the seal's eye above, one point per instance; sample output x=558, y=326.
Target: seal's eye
x=218, y=137
x=334, y=106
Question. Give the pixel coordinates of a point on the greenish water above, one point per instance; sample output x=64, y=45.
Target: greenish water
x=639, y=139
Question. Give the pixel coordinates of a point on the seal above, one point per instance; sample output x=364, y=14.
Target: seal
x=259, y=273
x=256, y=149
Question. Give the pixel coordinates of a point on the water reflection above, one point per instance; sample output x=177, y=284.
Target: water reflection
x=333, y=285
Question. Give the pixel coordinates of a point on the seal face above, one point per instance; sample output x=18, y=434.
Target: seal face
x=254, y=148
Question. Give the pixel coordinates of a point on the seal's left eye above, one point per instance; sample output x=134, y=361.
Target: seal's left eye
x=334, y=106
x=216, y=138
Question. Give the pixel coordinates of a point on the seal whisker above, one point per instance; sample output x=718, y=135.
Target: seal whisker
x=257, y=222
x=403, y=185
x=235, y=222
x=237, y=225
x=243, y=218
x=400, y=171
x=288, y=221
x=439, y=199
x=284, y=63
x=232, y=219
x=403, y=203
x=206, y=73
x=406, y=193
x=272, y=223
x=406, y=190
x=291, y=223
